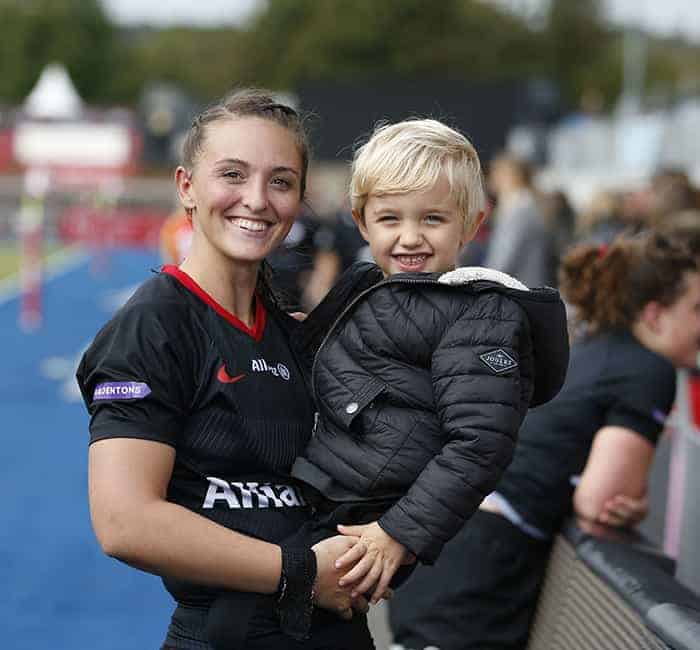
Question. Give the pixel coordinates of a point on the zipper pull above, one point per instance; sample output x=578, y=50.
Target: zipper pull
x=317, y=416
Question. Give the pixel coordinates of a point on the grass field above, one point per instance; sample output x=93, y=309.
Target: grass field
x=9, y=256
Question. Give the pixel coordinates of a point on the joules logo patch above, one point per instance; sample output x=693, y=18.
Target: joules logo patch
x=498, y=360
x=121, y=390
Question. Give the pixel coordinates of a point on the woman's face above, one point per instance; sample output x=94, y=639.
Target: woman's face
x=679, y=325
x=244, y=188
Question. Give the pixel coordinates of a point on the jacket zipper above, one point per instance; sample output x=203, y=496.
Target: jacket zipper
x=348, y=307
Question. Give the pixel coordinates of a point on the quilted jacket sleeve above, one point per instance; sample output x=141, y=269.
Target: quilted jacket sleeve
x=482, y=371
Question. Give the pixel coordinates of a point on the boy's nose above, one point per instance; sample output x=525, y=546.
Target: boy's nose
x=411, y=236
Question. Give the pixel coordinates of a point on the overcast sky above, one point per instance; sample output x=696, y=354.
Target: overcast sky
x=665, y=16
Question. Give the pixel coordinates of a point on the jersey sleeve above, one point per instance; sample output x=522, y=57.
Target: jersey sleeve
x=643, y=399
x=137, y=377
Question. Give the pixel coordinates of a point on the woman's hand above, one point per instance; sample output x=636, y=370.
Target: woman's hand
x=376, y=569
x=328, y=592
x=624, y=512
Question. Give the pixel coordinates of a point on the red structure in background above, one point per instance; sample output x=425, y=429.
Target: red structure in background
x=103, y=227
x=694, y=398
x=62, y=146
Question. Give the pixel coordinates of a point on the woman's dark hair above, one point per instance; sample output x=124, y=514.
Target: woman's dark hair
x=248, y=102
x=609, y=285
x=253, y=102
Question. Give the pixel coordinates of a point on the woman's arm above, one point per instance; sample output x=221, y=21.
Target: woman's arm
x=128, y=481
x=133, y=521
x=618, y=465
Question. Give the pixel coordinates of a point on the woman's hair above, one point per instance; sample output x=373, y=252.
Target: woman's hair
x=247, y=102
x=410, y=156
x=609, y=285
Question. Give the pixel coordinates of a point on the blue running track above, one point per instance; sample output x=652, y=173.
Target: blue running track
x=59, y=592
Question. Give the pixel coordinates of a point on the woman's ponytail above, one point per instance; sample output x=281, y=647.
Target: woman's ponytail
x=608, y=286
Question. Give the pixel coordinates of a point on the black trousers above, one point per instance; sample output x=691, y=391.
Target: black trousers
x=480, y=594
x=244, y=621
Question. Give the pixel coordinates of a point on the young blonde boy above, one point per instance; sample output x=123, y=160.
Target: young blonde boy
x=426, y=372
x=422, y=373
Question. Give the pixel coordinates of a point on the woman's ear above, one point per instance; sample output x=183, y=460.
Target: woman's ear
x=361, y=225
x=651, y=315
x=183, y=182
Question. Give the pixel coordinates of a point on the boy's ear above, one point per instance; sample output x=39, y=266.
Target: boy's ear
x=360, y=223
x=183, y=182
x=470, y=233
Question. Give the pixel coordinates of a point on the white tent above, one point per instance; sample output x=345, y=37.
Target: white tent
x=54, y=96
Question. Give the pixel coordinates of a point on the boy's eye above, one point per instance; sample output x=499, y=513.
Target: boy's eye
x=386, y=218
x=433, y=219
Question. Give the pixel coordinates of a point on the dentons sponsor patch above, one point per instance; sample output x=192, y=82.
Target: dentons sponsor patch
x=112, y=390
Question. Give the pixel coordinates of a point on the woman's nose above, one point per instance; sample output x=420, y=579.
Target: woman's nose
x=254, y=196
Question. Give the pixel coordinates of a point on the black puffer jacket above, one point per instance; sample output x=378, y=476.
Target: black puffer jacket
x=421, y=384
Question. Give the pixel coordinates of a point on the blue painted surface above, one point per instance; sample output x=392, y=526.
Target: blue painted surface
x=59, y=590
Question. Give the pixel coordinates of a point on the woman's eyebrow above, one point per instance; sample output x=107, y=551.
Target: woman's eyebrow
x=243, y=163
x=291, y=170
x=232, y=161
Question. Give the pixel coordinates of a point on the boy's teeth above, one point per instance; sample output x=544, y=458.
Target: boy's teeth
x=250, y=224
x=411, y=260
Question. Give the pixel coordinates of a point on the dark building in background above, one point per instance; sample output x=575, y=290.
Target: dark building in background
x=485, y=112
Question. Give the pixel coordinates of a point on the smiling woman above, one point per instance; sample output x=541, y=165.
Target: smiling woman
x=189, y=475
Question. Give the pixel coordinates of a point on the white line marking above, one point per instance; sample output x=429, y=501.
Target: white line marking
x=59, y=262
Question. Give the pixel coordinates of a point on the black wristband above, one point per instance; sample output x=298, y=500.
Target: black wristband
x=295, y=591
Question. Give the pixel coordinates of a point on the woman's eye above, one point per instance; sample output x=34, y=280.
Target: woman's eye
x=282, y=183
x=233, y=174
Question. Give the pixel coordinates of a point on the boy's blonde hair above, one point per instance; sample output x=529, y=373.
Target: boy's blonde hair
x=409, y=156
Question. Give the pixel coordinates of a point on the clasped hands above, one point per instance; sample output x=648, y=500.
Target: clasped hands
x=362, y=560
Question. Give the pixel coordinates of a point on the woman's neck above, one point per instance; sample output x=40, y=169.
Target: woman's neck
x=641, y=331
x=232, y=284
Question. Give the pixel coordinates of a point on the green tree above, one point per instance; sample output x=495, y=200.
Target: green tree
x=73, y=32
x=581, y=53
x=297, y=40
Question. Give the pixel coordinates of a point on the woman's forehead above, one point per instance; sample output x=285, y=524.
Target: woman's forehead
x=251, y=139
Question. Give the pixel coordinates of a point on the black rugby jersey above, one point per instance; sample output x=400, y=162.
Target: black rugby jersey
x=613, y=380
x=175, y=367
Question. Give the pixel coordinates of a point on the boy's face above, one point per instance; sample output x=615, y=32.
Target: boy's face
x=421, y=231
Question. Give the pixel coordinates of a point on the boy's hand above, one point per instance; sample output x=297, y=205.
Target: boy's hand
x=376, y=569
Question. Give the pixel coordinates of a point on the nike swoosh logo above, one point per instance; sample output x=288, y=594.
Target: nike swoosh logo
x=225, y=378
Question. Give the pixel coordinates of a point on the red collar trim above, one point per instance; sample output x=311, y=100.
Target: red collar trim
x=260, y=313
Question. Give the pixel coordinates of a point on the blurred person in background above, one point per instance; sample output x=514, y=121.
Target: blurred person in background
x=294, y=261
x=601, y=221
x=175, y=237
x=671, y=192
x=199, y=407
x=560, y=218
x=520, y=243
x=588, y=451
x=338, y=245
